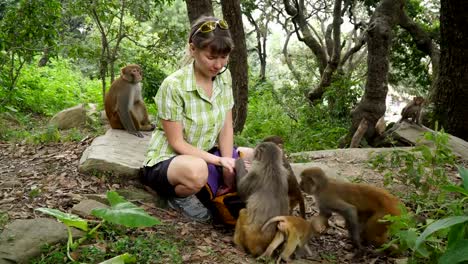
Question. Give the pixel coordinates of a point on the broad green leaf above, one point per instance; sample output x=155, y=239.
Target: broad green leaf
x=438, y=225
x=124, y=213
x=464, y=174
x=453, y=188
x=457, y=233
x=121, y=259
x=66, y=218
x=456, y=253
x=114, y=198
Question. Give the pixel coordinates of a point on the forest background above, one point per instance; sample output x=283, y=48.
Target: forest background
x=309, y=71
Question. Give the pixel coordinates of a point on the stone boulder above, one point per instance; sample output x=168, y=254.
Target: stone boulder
x=117, y=152
x=69, y=118
x=22, y=239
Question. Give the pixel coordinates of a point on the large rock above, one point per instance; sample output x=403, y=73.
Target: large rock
x=69, y=118
x=22, y=239
x=117, y=152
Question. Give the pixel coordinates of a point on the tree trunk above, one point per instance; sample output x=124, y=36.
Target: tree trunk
x=379, y=38
x=237, y=62
x=196, y=8
x=451, y=89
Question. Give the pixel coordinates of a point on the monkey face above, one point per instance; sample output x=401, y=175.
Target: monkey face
x=132, y=73
x=267, y=152
x=307, y=184
x=418, y=100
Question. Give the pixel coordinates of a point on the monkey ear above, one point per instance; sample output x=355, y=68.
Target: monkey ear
x=125, y=75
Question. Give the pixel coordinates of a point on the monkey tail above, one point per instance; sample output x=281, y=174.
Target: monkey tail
x=272, y=220
x=302, y=207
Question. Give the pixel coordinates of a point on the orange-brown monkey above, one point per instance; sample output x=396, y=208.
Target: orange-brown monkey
x=413, y=110
x=294, y=192
x=265, y=189
x=297, y=231
x=361, y=205
x=124, y=103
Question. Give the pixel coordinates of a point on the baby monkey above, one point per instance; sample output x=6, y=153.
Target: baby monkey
x=297, y=231
x=362, y=205
x=294, y=192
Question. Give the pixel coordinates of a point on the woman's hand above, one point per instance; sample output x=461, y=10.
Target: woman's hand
x=229, y=176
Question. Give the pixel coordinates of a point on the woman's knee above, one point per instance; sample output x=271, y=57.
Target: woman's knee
x=190, y=171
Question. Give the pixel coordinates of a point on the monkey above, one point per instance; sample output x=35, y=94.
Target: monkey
x=294, y=192
x=265, y=189
x=361, y=205
x=413, y=110
x=297, y=231
x=124, y=103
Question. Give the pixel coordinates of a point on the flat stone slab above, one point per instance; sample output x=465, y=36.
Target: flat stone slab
x=116, y=152
x=415, y=135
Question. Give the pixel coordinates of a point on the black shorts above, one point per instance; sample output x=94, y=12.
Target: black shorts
x=156, y=177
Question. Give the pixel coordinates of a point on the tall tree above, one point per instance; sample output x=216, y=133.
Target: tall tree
x=197, y=8
x=387, y=15
x=328, y=51
x=237, y=62
x=451, y=88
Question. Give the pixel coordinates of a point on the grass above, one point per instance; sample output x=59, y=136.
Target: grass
x=152, y=245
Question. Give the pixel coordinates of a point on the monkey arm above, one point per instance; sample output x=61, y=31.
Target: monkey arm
x=241, y=171
x=245, y=187
x=125, y=104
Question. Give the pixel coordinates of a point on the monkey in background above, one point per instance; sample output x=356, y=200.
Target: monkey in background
x=413, y=110
x=124, y=103
x=264, y=188
x=297, y=231
x=361, y=205
x=294, y=192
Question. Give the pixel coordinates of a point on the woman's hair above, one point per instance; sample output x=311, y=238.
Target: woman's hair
x=218, y=41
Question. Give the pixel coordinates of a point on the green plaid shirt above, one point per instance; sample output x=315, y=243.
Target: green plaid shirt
x=180, y=99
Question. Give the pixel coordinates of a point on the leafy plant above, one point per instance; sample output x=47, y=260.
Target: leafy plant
x=445, y=239
x=423, y=167
x=121, y=212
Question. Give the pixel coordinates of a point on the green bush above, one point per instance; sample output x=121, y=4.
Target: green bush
x=50, y=89
x=285, y=112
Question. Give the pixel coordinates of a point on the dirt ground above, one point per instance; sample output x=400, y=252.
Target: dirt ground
x=33, y=176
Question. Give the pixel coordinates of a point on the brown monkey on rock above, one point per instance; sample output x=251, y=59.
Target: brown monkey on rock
x=124, y=103
x=361, y=205
x=413, y=110
x=294, y=192
x=264, y=188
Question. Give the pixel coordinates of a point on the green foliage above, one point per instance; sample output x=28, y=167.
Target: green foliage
x=120, y=212
x=423, y=167
x=342, y=96
x=147, y=247
x=285, y=112
x=444, y=234
x=410, y=71
x=439, y=241
x=124, y=213
x=48, y=90
x=153, y=76
x=26, y=29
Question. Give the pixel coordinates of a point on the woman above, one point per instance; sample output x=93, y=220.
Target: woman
x=195, y=113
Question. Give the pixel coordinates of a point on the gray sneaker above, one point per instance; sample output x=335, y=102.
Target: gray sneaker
x=191, y=207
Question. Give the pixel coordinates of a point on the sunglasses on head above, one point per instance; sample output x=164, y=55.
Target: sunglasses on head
x=209, y=26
